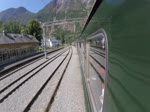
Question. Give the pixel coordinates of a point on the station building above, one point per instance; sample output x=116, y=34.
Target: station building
x=15, y=46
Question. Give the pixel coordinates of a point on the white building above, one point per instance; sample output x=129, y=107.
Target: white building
x=51, y=42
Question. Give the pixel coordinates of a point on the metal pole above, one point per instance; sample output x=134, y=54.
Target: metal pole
x=44, y=40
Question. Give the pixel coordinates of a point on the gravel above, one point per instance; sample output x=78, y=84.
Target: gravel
x=18, y=74
x=70, y=97
x=44, y=98
x=21, y=97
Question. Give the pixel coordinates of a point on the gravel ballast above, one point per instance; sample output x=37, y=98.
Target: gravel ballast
x=70, y=96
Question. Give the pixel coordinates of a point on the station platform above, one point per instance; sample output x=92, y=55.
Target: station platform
x=71, y=89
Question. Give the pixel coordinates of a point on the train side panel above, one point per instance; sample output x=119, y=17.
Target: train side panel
x=127, y=24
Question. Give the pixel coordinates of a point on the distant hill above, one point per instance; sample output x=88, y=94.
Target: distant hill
x=16, y=14
x=56, y=8
x=46, y=14
x=64, y=8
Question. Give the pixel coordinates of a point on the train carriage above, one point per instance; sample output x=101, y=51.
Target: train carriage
x=124, y=63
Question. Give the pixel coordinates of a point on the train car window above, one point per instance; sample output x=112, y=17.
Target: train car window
x=97, y=58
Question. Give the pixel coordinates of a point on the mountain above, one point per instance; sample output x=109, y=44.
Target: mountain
x=46, y=14
x=69, y=5
x=61, y=9
x=16, y=14
x=64, y=9
x=57, y=8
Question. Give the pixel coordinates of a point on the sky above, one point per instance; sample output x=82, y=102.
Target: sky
x=31, y=5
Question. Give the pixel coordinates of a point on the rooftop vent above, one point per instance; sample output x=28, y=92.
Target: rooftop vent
x=4, y=33
x=29, y=36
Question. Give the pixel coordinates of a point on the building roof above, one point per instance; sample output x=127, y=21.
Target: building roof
x=10, y=38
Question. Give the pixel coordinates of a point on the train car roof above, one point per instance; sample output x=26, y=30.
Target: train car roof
x=11, y=38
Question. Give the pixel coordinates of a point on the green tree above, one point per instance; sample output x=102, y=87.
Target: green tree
x=11, y=27
x=1, y=23
x=23, y=27
x=34, y=28
x=59, y=34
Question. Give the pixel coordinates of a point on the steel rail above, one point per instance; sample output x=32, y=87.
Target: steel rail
x=44, y=85
x=13, y=90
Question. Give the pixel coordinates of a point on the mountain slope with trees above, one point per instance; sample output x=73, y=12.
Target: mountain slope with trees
x=15, y=20
x=20, y=14
x=56, y=8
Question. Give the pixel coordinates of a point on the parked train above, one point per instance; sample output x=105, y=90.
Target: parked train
x=115, y=57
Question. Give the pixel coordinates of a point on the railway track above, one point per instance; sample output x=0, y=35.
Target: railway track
x=98, y=57
x=98, y=52
x=97, y=62
x=8, y=83
x=98, y=49
x=23, y=64
x=97, y=76
x=21, y=72
x=55, y=68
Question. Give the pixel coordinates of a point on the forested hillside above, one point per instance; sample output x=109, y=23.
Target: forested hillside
x=56, y=8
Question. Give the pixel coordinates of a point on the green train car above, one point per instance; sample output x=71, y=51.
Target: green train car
x=115, y=56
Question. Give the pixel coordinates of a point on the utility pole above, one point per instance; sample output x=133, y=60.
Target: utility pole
x=44, y=39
